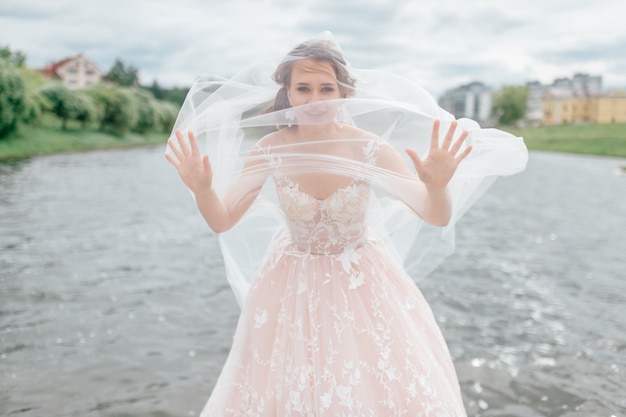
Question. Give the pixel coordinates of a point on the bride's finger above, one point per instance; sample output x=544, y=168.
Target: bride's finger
x=463, y=154
x=457, y=145
x=449, y=135
x=195, y=150
x=182, y=143
x=172, y=160
x=175, y=149
x=434, y=137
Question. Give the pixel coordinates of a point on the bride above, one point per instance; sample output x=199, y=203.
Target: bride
x=320, y=218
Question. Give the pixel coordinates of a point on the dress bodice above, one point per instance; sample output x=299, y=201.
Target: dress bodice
x=324, y=226
x=332, y=224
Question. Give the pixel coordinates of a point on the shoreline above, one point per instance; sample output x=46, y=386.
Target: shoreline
x=48, y=139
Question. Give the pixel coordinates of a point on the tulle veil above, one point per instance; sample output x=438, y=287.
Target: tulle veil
x=230, y=116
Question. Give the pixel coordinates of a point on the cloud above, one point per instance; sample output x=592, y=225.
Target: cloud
x=438, y=44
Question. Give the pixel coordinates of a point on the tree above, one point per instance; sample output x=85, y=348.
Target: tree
x=116, y=107
x=509, y=104
x=146, y=114
x=62, y=102
x=166, y=115
x=157, y=91
x=87, y=111
x=125, y=76
x=16, y=58
x=13, y=100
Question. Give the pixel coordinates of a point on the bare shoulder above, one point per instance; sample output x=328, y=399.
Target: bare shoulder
x=356, y=132
x=270, y=140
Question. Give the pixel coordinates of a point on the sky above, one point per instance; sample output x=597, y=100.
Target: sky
x=438, y=44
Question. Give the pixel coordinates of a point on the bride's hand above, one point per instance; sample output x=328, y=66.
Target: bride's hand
x=194, y=170
x=439, y=166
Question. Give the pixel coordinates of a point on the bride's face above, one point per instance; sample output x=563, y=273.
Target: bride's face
x=312, y=84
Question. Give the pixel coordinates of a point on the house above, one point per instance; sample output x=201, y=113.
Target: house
x=472, y=100
x=75, y=72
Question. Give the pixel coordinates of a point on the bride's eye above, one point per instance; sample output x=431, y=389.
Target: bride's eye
x=303, y=89
x=328, y=89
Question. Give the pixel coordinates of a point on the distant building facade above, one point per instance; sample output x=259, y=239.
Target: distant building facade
x=582, y=100
x=75, y=72
x=472, y=100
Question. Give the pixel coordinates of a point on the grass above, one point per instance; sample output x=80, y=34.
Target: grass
x=50, y=138
x=590, y=139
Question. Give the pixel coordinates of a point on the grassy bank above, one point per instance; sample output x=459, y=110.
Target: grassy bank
x=592, y=139
x=604, y=140
x=50, y=138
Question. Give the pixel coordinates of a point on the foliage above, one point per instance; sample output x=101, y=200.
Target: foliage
x=177, y=95
x=32, y=113
x=87, y=112
x=125, y=76
x=16, y=58
x=174, y=95
x=13, y=101
x=63, y=103
x=166, y=113
x=146, y=113
x=116, y=108
x=509, y=104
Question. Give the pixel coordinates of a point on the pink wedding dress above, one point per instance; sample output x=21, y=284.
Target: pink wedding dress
x=332, y=325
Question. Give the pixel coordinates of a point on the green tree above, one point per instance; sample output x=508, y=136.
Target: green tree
x=87, y=110
x=177, y=95
x=116, y=108
x=63, y=103
x=13, y=98
x=157, y=91
x=16, y=58
x=166, y=115
x=125, y=76
x=509, y=104
x=146, y=114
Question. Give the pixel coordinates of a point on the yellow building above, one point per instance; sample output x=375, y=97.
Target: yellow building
x=562, y=107
x=610, y=108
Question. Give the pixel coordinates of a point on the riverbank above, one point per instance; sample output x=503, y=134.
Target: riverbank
x=50, y=138
x=602, y=140
x=590, y=139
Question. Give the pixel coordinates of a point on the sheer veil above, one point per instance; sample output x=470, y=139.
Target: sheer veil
x=382, y=113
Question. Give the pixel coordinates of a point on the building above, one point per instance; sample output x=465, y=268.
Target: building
x=75, y=72
x=472, y=100
x=574, y=100
x=534, y=110
x=581, y=100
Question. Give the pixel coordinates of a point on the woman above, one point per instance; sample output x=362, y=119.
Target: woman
x=331, y=324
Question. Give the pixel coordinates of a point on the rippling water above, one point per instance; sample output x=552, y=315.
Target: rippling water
x=113, y=300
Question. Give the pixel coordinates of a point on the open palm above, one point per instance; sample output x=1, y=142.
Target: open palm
x=442, y=160
x=194, y=170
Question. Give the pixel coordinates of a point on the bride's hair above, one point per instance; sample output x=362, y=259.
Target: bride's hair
x=318, y=50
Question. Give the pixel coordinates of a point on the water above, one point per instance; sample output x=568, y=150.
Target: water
x=113, y=300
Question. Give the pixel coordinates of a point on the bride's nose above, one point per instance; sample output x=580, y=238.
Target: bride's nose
x=314, y=97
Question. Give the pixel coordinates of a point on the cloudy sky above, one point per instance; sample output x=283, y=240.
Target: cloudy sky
x=439, y=44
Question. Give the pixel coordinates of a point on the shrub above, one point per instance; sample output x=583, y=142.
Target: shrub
x=13, y=101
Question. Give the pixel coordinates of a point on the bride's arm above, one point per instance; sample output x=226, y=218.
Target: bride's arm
x=221, y=214
x=428, y=197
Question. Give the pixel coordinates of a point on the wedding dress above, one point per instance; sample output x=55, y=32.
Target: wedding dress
x=332, y=324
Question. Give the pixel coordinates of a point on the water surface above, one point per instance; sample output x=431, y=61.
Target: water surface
x=113, y=300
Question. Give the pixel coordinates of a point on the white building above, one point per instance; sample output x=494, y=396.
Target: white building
x=472, y=100
x=75, y=72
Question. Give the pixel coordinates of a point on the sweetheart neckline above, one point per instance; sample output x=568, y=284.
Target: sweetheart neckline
x=295, y=186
